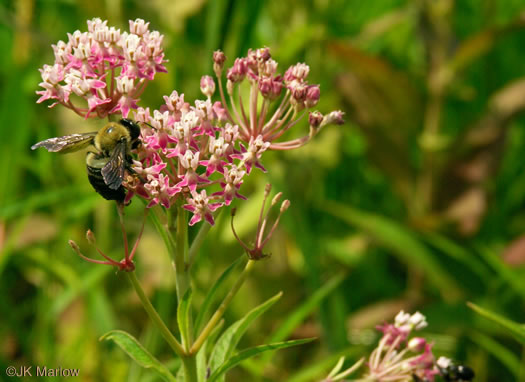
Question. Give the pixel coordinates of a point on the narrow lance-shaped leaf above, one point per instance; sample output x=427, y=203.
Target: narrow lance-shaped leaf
x=204, y=308
x=402, y=242
x=303, y=311
x=228, y=341
x=135, y=350
x=514, y=280
x=183, y=317
x=251, y=352
x=517, y=330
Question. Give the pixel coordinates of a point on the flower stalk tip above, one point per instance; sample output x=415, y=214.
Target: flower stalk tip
x=256, y=251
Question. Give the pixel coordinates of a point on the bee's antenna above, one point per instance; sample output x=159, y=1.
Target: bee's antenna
x=149, y=125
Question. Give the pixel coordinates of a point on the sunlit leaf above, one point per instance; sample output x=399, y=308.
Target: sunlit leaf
x=183, y=316
x=228, y=341
x=400, y=241
x=135, y=350
x=205, y=306
x=251, y=352
x=515, y=329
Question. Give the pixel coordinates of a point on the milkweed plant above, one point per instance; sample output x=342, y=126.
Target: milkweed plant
x=192, y=161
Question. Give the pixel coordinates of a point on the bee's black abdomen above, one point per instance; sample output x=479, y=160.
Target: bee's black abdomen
x=97, y=181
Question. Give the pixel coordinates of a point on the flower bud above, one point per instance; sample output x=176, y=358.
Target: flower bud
x=335, y=117
x=90, y=236
x=207, y=86
x=263, y=54
x=265, y=86
x=315, y=118
x=219, y=111
x=312, y=96
x=229, y=87
x=443, y=362
x=267, y=189
x=297, y=72
x=416, y=344
x=276, y=198
x=73, y=245
x=138, y=27
x=418, y=321
x=285, y=205
x=218, y=61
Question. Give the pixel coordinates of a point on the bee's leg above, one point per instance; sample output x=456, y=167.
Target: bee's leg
x=133, y=172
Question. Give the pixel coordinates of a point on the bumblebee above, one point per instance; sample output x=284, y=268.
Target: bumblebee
x=457, y=373
x=107, y=165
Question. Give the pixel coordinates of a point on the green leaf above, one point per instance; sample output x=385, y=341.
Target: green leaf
x=203, y=309
x=161, y=229
x=458, y=253
x=516, y=330
x=183, y=317
x=314, y=371
x=201, y=362
x=400, y=241
x=227, y=343
x=510, y=276
x=502, y=353
x=304, y=310
x=251, y=352
x=135, y=350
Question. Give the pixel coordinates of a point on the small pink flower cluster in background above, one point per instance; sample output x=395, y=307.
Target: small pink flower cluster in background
x=200, y=154
x=398, y=358
x=103, y=71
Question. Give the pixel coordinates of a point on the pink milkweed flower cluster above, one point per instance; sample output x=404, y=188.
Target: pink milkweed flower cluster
x=400, y=358
x=198, y=154
x=103, y=71
x=286, y=99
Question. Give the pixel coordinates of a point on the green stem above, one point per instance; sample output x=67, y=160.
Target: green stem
x=181, y=253
x=154, y=316
x=222, y=308
x=199, y=239
x=190, y=368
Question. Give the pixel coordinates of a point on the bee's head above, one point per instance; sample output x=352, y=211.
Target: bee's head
x=132, y=127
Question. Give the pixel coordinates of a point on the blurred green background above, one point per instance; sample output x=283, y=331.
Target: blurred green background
x=416, y=203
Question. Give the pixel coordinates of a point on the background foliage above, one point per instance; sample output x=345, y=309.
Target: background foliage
x=415, y=203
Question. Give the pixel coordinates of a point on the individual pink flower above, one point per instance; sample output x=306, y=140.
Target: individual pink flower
x=160, y=190
x=251, y=156
x=201, y=207
x=217, y=148
x=190, y=161
x=231, y=184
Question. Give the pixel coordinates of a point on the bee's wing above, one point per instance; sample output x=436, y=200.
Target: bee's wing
x=113, y=171
x=67, y=143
